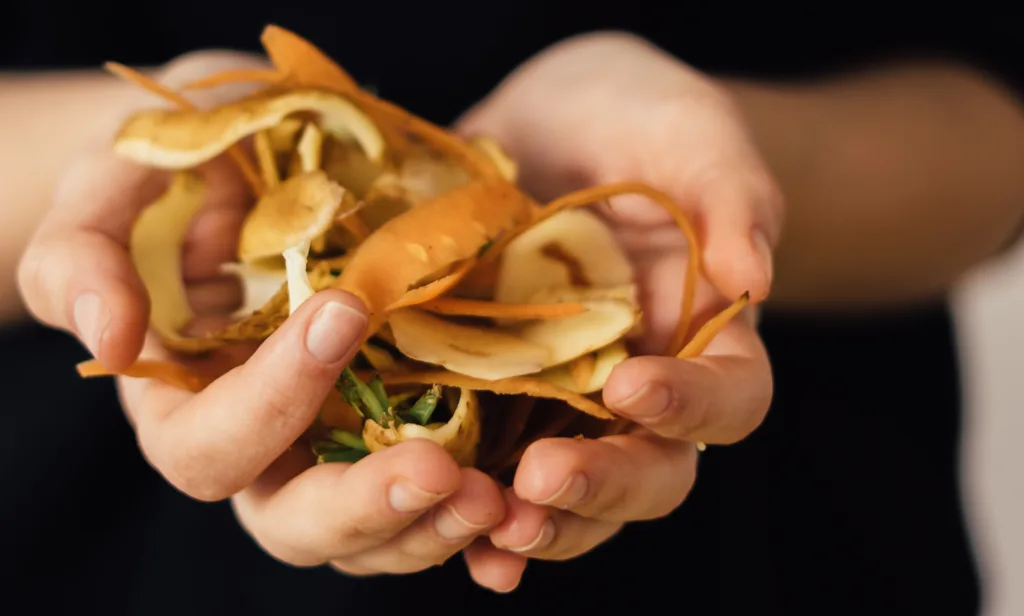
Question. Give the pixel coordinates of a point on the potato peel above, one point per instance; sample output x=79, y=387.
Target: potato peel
x=573, y=248
x=473, y=351
x=155, y=247
x=497, y=353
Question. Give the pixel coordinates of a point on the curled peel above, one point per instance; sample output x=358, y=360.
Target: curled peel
x=295, y=212
x=260, y=281
x=505, y=164
x=257, y=325
x=460, y=435
x=573, y=248
x=587, y=374
x=184, y=138
x=473, y=351
x=497, y=353
x=297, y=59
x=427, y=240
x=155, y=246
x=166, y=372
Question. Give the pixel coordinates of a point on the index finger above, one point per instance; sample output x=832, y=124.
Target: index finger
x=77, y=274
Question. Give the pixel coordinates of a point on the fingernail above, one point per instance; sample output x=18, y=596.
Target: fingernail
x=570, y=494
x=407, y=497
x=763, y=250
x=334, y=331
x=649, y=402
x=450, y=525
x=91, y=320
x=543, y=540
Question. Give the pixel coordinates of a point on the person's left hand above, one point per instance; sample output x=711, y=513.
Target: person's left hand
x=605, y=108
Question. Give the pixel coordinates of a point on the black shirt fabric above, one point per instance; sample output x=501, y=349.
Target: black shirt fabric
x=846, y=500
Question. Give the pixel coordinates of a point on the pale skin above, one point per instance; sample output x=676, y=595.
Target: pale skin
x=896, y=181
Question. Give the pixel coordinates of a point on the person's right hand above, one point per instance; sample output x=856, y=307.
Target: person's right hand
x=400, y=510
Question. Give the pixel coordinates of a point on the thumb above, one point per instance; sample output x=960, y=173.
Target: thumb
x=741, y=228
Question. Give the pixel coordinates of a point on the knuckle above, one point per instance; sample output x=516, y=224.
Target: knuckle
x=686, y=417
x=195, y=64
x=425, y=552
x=363, y=530
x=607, y=499
x=187, y=469
x=31, y=274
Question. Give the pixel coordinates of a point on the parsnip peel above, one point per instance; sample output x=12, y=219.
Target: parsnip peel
x=155, y=247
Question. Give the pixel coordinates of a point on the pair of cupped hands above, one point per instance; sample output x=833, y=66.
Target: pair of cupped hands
x=591, y=110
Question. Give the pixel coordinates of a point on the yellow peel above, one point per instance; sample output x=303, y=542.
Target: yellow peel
x=309, y=148
x=604, y=361
x=566, y=339
x=558, y=295
x=295, y=212
x=282, y=136
x=299, y=287
x=155, y=246
x=459, y=436
x=183, y=138
x=506, y=165
x=556, y=253
x=259, y=284
x=473, y=351
x=498, y=353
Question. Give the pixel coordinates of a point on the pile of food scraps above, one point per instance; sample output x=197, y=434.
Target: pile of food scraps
x=495, y=320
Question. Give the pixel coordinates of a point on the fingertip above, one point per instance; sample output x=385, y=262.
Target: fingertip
x=320, y=298
x=349, y=299
x=738, y=264
x=630, y=375
x=424, y=463
x=524, y=524
x=547, y=468
x=118, y=341
x=479, y=499
x=494, y=569
x=322, y=335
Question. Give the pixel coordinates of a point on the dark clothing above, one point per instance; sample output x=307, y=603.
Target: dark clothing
x=845, y=501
